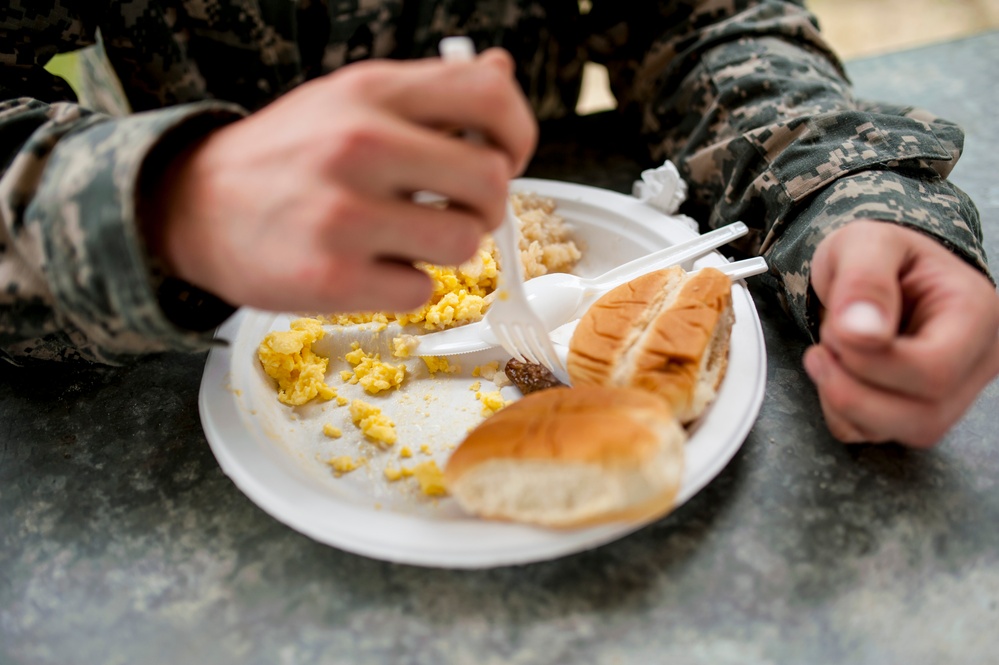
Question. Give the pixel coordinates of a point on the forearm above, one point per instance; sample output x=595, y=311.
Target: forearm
x=76, y=279
x=761, y=121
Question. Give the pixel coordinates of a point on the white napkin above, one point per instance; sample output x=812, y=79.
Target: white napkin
x=663, y=189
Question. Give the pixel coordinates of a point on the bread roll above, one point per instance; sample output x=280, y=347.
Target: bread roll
x=567, y=457
x=666, y=332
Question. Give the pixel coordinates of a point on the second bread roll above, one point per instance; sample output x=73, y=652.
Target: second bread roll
x=666, y=332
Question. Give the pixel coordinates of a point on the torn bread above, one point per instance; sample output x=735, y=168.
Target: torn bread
x=566, y=457
x=666, y=332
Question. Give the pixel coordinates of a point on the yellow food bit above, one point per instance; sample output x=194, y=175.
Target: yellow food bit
x=343, y=464
x=370, y=372
x=491, y=402
x=393, y=474
x=331, y=431
x=342, y=401
x=439, y=364
x=475, y=386
x=425, y=449
x=487, y=371
x=288, y=358
x=404, y=345
x=373, y=423
x=406, y=451
x=430, y=477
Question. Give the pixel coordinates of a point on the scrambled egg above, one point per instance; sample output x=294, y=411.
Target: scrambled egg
x=404, y=345
x=393, y=474
x=332, y=431
x=369, y=371
x=428, y=474
x=373, y=423
x=431, y=478
x=461, y=295
x=491, y=402
x=439, y=364
x=343, y=464
x=287, y=357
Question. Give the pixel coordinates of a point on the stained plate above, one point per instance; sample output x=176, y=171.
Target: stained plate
x=278, y=455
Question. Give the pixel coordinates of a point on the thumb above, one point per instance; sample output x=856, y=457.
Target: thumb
x=856, y=276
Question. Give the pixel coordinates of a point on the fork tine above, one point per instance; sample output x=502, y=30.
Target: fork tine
x=543, y=350
x=528, y=345
x=505, y=338
x=537, y=348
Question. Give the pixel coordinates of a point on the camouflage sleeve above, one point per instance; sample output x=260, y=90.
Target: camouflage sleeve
x=75, y=278
x=758, y=114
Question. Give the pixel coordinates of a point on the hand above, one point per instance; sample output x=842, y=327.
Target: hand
x=307, y=204
x=909, y=337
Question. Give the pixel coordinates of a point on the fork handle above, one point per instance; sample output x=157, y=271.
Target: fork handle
x=670, y=256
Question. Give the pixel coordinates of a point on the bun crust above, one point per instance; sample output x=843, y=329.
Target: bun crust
x=570, y=457
x=666, y=332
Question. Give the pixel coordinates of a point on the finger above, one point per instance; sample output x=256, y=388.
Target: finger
x=817, y=365
x=369, y=229
x=881, y=415
x=951, y=332
x=386, y=157
x=856, y=276
x=480, y=95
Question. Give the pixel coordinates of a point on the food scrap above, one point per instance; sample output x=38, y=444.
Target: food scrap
x=431, y=478
x=331, y=431
x=373, y=423
x=491, y=402
x=529, y=377
x=439, y=364
x=344, y=464
x=370, y=372
x=288, y=358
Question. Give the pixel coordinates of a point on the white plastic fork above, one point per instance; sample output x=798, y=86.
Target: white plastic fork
x=512, y=320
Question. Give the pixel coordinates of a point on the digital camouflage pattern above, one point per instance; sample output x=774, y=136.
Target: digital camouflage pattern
x=744, y=96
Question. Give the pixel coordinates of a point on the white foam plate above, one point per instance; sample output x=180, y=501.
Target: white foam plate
x=277, y=455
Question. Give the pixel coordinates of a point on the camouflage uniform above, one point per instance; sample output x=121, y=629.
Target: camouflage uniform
x=743, y=95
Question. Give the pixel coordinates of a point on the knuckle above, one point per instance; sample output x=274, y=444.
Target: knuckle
x=838, y=399
x=351, y=147
x=938, y=375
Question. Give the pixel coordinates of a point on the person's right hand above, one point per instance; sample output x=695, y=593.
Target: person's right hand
x=307, y=204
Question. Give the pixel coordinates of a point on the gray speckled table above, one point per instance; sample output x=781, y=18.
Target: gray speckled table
x=121, y=541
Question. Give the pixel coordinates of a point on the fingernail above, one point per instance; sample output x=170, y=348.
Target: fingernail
x=863, y=318
x=816, y=367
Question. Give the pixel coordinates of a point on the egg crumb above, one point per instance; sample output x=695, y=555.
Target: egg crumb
x=475, y=386
x=373, y=423
x=404, y=345
x=439, y=364
x=370, y=372
x=425, y=449
x=288, y=358
x=393, y=474
x=491, y=402
x=343, y=464
x=405, y=451
x=431, y=478
x=331, y=431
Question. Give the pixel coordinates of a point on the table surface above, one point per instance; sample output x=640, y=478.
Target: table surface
x=122, y=541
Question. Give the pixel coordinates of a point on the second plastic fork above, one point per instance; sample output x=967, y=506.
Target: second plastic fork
x=561, y=297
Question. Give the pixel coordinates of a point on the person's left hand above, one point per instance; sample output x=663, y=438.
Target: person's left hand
x=909, y=336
